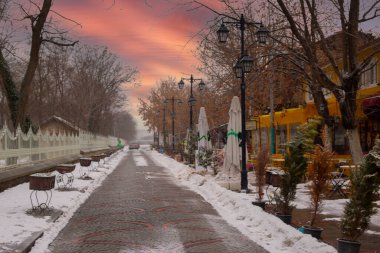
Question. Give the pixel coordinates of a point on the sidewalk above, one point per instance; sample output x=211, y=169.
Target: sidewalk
x=21, y=226
x=140, y=208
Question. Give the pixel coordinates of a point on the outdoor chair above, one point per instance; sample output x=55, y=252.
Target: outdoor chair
x=338, y=181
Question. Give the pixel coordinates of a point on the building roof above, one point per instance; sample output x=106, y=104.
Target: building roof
x=60, y=120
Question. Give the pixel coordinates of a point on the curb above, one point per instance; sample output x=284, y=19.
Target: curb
x=27, y=245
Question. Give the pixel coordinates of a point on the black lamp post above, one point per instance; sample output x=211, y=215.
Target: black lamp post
x=173, y=116
x=192, y=100
x=158, y=129
x=242, y=67
x=164, y=124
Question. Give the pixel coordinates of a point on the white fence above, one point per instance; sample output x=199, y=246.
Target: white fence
x=23, y=148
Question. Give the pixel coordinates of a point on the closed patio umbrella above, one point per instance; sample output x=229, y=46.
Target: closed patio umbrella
x=204, y=140
x=231, y=165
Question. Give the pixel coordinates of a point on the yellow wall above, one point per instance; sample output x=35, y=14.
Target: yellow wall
x=300, y=115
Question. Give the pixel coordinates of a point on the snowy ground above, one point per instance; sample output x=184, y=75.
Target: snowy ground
x=15, y=202
x=263, y=228
x=236, y=208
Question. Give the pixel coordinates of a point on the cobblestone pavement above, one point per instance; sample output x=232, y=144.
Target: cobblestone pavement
x=142, y=209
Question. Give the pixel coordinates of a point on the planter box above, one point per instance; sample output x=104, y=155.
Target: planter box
x=96, y=158
x=41, y=182
x=85, y=162
x=268, y=175
x=286, y=218
x=313, y=231
x=275, y=180
x=65, y=168
x=347, y=246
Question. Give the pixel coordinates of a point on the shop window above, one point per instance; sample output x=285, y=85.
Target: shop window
x=281, y=138
x=368, y=76
x=369, y=130
x=264, y=136
x=256, y=142
x=293, y=131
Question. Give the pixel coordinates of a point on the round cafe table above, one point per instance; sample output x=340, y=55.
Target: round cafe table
x=65, y=178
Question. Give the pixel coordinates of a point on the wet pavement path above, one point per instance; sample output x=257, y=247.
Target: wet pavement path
x=142, y=209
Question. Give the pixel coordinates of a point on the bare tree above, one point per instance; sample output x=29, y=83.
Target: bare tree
x=124, y=126
x=18, y=98
x=309, y=35
x=311, y=23
x=83, y=85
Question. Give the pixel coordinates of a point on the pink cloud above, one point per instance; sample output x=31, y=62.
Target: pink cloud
x=153, y=38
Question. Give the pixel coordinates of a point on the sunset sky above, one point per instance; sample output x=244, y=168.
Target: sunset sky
x=155, y=36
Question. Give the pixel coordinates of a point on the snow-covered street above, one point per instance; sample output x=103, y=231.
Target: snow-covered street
x=260, y=227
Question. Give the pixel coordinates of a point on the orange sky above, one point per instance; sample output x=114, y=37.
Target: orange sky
x=152, y=35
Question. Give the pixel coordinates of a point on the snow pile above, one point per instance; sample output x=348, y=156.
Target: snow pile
x=139, y=159
x=236, y=208
x=15, y=202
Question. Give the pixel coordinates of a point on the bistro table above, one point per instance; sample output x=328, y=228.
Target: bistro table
x=85, y=163
x=41, y=182
x=97, y=159
x=65, y=178
x=347, y=169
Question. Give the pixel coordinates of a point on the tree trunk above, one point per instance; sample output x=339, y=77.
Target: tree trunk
x=355, y=147
x=328, y=141
x=9, y=88
x=26, y=84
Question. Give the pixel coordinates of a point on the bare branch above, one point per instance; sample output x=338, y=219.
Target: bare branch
x=214, y=11
x=60, y=43
x=323, y=42
x=375, y=15
x=35, y=5
x=66, y=18
x=371, y=8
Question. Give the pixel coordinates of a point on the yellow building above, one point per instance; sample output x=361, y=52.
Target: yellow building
x=287, y=120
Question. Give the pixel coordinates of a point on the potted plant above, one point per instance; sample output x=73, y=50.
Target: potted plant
x=262, y=160
x=204, y=157
x=65, y=168
x=365, y=181
x=295, y=167
x=319, y=174
x=41, y=181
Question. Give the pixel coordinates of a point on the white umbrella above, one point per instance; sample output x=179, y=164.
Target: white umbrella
x=187, y=140
x=231, y=165
x=203, y=131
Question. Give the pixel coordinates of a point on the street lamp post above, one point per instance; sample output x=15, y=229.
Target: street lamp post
x=242, y=67
x=164, y=125
x=173, y=116
x=192, y=100
x=158, y=129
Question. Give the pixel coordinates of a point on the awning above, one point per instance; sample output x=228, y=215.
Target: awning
x=371, y=101
x=371, y=107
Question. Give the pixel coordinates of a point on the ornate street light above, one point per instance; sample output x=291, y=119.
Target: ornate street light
x=202, y=85
x=241, y=68
x=238, y=70
x=164, y=123
x=191, y=100
x=181, y=84
x=172, y=99
x=222, y=33
x=246, y=63
x=262, y=34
